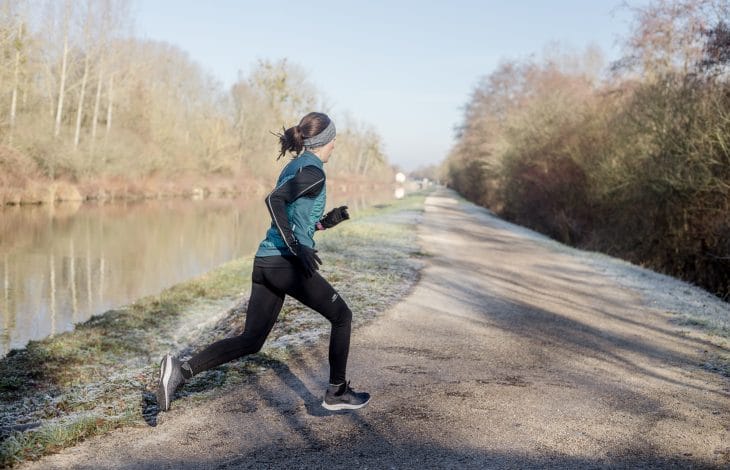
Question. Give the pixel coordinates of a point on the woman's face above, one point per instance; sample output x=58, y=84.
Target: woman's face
x=326, y=151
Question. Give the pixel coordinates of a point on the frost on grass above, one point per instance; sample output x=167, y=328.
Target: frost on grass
x=372, y=264
x=111, y=378
x=689, y=305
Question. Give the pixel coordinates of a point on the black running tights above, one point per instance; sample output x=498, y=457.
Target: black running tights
x=271, y=282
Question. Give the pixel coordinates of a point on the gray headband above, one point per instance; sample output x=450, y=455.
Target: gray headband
x=323, y=138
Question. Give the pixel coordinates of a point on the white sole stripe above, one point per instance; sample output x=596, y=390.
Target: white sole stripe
x=343, y=406
x=166, y=377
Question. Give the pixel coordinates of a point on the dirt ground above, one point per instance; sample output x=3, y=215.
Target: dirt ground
x=507, y=354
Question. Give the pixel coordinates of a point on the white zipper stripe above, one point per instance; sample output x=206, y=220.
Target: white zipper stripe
x=273, y=216
x=308, y=188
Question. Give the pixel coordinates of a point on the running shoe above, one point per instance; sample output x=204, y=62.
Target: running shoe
x=170, y=379
x=342, y=397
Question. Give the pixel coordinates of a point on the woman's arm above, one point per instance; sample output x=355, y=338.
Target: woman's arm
x=308, y=182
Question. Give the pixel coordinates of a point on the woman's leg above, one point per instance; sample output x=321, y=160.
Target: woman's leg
x=264, y=306
x=316, y=293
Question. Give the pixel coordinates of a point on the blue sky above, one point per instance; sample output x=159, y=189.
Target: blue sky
x=405, y=67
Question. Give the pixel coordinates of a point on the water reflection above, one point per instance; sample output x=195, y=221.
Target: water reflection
x=63, y=264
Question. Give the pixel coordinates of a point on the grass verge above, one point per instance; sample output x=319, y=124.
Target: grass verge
x=61, y=390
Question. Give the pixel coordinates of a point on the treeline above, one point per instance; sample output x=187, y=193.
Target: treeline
x=83, y=100
x=633, y=160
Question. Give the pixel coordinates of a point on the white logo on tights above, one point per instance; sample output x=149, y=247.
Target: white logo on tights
x=334, y=297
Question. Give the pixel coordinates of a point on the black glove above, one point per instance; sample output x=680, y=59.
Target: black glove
x=308, y=258
x=334, y=217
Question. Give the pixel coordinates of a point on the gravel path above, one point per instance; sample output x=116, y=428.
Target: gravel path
x=510, y=352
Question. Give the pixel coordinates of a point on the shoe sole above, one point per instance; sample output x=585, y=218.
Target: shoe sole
x=343, y=406
x=163, y=398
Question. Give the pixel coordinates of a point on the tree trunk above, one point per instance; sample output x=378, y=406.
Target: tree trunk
x=82, y=94
x=360, y=154
x=85, y=76
x=14, y=99
x=110, y=105
x=367, y=163
x=62, y=86
x=48, y=88
x=97, y=102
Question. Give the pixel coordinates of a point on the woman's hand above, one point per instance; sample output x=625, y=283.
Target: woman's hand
x=334, y=217
x=308, y=258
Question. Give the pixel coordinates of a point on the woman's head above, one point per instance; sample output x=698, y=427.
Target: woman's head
x=315, y=132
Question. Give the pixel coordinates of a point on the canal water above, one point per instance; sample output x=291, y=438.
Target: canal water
x=62, y=264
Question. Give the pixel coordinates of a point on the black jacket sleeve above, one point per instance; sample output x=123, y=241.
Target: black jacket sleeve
x=308, y=182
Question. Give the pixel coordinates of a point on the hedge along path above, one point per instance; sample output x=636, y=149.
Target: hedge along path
x=101, y=376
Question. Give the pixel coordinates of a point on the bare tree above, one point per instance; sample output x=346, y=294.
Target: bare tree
x=16, y=79
x=109, y=104
x=85, y=75
x=64, y=60
x=72, y=66
x=667, y=36
x=97, y=105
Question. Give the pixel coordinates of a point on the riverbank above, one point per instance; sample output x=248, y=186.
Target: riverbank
x=61, y=390
x=33, y=191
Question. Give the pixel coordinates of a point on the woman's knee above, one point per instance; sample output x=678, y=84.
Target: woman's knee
x=343, y=317
x=251, y=344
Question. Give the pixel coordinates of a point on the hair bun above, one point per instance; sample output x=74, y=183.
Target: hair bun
x=292, y=139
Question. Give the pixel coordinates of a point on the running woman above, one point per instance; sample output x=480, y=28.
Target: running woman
x=286, y=263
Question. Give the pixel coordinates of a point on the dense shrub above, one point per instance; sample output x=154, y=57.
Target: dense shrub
x=636, y=165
